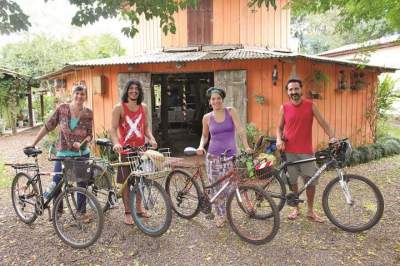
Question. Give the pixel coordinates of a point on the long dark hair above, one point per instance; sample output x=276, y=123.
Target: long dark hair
x=138, y=84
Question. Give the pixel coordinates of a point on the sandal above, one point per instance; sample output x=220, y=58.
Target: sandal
x=220, y=222
x=294, y=214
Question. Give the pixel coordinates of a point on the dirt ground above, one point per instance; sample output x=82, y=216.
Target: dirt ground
x=199, y=242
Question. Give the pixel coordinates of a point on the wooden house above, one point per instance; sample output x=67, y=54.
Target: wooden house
x=244, y=50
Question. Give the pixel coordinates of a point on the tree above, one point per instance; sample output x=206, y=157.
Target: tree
x=320, y=32
x=13, y=19
x=42, y=54
x=353, y=13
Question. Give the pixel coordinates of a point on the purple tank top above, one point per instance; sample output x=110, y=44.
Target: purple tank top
x=222, y=135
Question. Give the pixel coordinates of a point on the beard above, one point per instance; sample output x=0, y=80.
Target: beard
x=295, y=96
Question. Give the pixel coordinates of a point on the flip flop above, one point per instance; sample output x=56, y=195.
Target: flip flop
x=294, y=214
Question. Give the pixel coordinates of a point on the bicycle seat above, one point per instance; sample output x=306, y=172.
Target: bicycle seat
x=104, y=142
x=32, y=151
x=190, y=151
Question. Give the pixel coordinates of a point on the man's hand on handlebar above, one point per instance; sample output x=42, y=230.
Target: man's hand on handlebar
x=117, y=148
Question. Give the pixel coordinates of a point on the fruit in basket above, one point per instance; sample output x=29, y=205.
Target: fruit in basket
x=263, y=167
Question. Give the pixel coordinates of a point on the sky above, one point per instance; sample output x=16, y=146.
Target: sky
x=54, y=19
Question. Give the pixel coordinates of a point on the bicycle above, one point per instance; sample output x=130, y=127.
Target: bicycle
x=71, y=224
x=348, y=191
x=244, y=204
x=142, y=179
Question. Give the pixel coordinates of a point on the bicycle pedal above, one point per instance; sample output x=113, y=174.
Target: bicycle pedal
x=210, y=216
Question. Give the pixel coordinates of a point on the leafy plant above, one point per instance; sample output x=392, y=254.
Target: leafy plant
x=253, y=133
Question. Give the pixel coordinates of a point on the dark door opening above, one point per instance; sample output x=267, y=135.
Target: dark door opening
x=179, y=103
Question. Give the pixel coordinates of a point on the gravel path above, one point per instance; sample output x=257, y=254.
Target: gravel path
x=199, y=242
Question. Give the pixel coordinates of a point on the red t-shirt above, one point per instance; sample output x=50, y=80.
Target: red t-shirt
x=297, y=130
x=131, y=127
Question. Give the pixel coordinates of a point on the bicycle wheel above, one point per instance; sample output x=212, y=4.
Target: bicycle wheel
x=365, y=208
x=102, y=187
x=275, y=187
x=79, y=228
x=156, y=203
x=184, y=193
x=24, y=195
x=244, y=205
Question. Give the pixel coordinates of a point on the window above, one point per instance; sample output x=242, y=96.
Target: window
x=199, y=23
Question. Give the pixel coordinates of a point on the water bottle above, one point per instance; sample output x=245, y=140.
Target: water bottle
x=49, y=189
x=250, y=167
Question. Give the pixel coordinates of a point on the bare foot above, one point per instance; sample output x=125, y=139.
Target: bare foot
x=313, y=216
x=128, y=219
x=143, y=214
x=294, y=214
x=219, y=221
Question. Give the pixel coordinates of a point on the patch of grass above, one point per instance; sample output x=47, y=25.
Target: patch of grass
x=393, y=131
x=5, y=180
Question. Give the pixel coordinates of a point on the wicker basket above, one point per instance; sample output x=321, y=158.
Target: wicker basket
x=152, y=164
x=77, y=170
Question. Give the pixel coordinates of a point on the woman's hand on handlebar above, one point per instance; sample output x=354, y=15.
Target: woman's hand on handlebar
x=200, y=151
x=249, y=150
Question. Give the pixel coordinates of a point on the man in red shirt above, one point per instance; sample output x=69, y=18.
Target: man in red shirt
x=129, y=126
x=295, y=125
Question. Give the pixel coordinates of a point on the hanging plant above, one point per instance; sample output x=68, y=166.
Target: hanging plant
x=260, y=99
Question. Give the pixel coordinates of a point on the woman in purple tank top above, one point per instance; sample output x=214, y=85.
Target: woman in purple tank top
x=222, y=123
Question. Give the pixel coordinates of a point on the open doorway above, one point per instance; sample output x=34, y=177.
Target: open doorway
x=179, y=103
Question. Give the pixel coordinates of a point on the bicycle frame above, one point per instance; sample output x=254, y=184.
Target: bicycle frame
x=317, y=174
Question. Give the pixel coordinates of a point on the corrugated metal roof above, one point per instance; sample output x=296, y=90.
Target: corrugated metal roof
x=176, y=55
x=354, y=46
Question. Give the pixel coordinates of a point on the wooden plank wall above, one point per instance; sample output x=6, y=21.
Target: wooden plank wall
x=180, y=38
x=344, y=110
x=235, y=23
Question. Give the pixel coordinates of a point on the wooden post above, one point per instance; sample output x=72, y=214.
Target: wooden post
x=30, y=107
x=164, y=108
x=42, y=107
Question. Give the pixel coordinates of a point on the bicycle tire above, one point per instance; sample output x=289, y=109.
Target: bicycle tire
x=149, y=187
x=180, y=198
x=17, y=200
x=327, y=203
x=278, y=194
x=102, y=186
x=68, y=196
x=273, y=213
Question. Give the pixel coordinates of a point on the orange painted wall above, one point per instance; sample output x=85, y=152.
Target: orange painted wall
x=180, y=38
x=235, y=23
x=345, y=110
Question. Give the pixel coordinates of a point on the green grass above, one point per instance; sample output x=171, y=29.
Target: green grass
x=5, y=180
x=393, y=131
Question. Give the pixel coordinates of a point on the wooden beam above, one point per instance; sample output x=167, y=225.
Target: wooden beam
x=42, y=107
x=30, y=107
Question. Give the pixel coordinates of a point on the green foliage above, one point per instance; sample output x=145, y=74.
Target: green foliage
x=386, y=96
x=386, y=146
x=12, y=18
x=321, y=32
x=41, y=54
x=253, y=133
x=353, y=13
x=5, y=180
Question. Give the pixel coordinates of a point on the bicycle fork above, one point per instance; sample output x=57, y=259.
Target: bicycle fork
x=345, y=188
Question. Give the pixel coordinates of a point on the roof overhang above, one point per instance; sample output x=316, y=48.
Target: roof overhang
x=196, y=54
